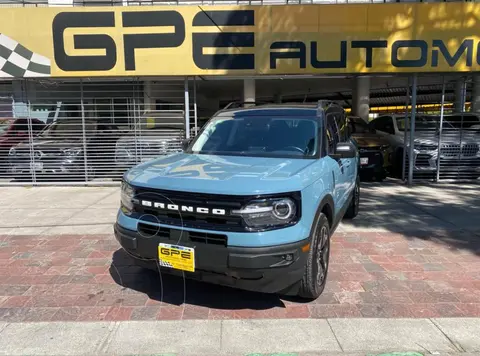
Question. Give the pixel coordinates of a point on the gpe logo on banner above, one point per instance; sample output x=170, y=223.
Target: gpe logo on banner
x=153, y=20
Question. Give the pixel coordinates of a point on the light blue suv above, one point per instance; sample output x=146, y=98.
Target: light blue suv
x=251, y=202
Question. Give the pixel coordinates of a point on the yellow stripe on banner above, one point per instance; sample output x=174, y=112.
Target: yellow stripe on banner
x=341, y=39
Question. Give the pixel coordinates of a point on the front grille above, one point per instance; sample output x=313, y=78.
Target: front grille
x=450, y=150
x=470, y=149
x=454, y=150
x=198, y=219
x=192, y=219
x=208, y=238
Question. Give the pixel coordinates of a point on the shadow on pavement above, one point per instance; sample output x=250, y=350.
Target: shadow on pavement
x=446, y=214
x=177, y=291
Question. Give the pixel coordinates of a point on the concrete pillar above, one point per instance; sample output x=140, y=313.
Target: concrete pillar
x=475, y=105
x=248, y=90
x=148, y=96
x=361, y=97
x=460, y=93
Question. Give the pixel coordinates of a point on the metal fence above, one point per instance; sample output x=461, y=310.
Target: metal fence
x=86, y=132
x=446, y=137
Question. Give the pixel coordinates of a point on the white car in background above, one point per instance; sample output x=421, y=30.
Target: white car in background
x=155, y=134
x=460, y=142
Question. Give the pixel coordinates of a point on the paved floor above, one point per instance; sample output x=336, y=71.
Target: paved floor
x=410, y=253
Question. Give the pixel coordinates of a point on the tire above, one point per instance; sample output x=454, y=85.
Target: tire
x=367, y=177
x=316, y=269
x=380, y=177
x=354, y=206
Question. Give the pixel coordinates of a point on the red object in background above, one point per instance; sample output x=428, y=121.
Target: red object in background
x=14, y=131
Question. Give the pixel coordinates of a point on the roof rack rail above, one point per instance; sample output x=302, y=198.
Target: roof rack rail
x=236, y=104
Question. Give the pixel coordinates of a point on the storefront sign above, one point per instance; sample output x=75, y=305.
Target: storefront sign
x=237, y=40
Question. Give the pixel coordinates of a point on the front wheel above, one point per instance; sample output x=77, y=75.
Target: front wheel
x=316, y=269
x=354, y=206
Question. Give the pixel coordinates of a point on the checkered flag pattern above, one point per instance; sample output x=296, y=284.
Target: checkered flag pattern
x=19, y=62
x=165, y=264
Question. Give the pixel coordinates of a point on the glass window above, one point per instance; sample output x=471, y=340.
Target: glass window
x=422, y=123
x=461, y=121
x=262, y=136
x=384, y=124
x=70, y=127
x=333, y=134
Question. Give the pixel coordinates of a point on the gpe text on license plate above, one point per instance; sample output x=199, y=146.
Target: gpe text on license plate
x=363, y=160
x=176, y=257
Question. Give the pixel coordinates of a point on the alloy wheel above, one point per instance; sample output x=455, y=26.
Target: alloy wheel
x=322, y=255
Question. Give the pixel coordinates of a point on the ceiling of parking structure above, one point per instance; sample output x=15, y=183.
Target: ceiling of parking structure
x=385, y=90
x=387, y=96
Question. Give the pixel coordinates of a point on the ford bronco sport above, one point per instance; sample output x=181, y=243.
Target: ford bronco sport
x=251, y=202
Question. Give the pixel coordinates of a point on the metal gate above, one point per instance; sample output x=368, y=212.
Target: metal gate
x=86, y=132
x=446, y=136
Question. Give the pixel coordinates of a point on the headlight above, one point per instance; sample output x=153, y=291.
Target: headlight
x=126, y=197
x=269, y=213
x=72, y=151
x=12, y=152
x=425, y=147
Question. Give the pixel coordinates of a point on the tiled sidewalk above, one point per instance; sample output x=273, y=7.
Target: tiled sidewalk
x=372, y=274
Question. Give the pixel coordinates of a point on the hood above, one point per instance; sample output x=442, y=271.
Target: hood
x=47, y=145
x=448, y=137
x=369, y=140
x=223, y=174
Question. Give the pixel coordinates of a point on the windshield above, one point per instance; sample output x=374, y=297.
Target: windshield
x=259, y=136
x=422, y=123
x=69, y=128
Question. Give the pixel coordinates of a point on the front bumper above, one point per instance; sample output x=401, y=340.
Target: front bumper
x=373, y=161
x=50, y=167
x=261, y=269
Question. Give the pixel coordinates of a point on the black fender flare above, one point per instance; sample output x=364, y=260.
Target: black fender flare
x=326, y=200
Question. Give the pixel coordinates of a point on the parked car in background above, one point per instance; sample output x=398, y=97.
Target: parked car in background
x=459, y=149
x=60, y=150
x=375, y=151
x=14, y=131
x=155, y=134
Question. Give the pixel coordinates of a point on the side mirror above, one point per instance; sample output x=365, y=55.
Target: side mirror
x=345, y=150
x=185, y=143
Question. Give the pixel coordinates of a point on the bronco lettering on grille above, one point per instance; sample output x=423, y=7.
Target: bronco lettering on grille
x=183, y=208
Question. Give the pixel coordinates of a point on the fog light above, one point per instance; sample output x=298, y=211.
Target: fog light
x=288, y=257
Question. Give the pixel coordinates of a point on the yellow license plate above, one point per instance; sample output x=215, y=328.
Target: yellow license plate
x=176, y=257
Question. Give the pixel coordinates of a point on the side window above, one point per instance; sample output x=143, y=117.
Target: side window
x=332, y=133
x=342, y=125
x=384, y=124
